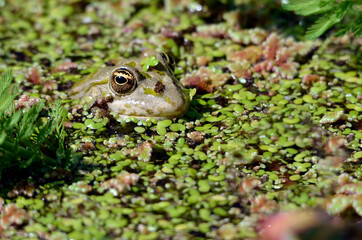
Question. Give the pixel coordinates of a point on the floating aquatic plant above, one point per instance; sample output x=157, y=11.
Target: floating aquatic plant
x=148, y=62
x=280, y=56
x=121, y=183
x=252, y=143
x=205, y=79
x=12, y=216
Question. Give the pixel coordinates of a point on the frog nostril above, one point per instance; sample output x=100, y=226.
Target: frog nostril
x=159, y=87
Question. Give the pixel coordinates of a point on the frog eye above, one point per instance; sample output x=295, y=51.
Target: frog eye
x=168, y=60
x=122, y=81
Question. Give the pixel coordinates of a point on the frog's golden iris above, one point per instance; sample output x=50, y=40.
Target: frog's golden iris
x=122, y=81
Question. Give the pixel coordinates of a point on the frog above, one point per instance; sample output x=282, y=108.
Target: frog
x=130, y=91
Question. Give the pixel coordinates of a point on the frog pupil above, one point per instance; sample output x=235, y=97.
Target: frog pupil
x=120, y=80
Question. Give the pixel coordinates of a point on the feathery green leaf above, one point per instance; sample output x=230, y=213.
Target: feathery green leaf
x=307, y=7
x=332, y=12
x=321, y=25
x=24, y=136
x=7, y=95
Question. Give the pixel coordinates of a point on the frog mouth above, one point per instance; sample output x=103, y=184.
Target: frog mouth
x=176, y=113
x=125, y=117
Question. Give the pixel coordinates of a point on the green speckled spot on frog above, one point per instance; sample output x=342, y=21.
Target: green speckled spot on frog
x=156, y=94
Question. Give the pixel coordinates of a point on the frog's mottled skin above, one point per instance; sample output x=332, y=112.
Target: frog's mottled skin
x=158, y=94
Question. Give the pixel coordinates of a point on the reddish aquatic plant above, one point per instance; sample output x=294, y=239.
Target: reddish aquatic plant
x=22, y=188
x=50, y=85
x=252, y=54
x=26, y=102
x=257, y=35
x=205, y=80
x=120, y=183
x=309, y=79
x=286, y=70
x=169, y=32
x=87, y=146
x=350, y=189
x=271, y=46
x=336, y=146
x=196, y=136
x=348, y=195
x=203, y=60
x=287, y=225
x=212, y=30
x=344, y=178
x=12, y=216
x=67, y=66
x=248, y=184
x=240, y=69
x=34, y=75
x=251, y=36
x=143, y=152
x=279, y=56
x=340, y=203
x=261, y=204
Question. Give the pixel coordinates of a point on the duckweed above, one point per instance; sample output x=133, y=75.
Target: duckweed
x=148, y=62
x=295, y=177
x=258, y=111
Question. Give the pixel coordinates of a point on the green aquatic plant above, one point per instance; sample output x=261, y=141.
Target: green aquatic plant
x=26, y=138
x=148, y=62
x=331, y=12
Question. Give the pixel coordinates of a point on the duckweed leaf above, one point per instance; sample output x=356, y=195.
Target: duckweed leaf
x=148, y=61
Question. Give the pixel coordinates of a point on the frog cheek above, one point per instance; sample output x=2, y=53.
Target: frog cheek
x=173, y=105
x=182, y=102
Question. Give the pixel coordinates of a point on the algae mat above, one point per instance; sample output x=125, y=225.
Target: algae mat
x=272, y=134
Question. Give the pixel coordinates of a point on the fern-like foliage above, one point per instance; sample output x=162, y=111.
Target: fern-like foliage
x=26, y=138
x=332, y=12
